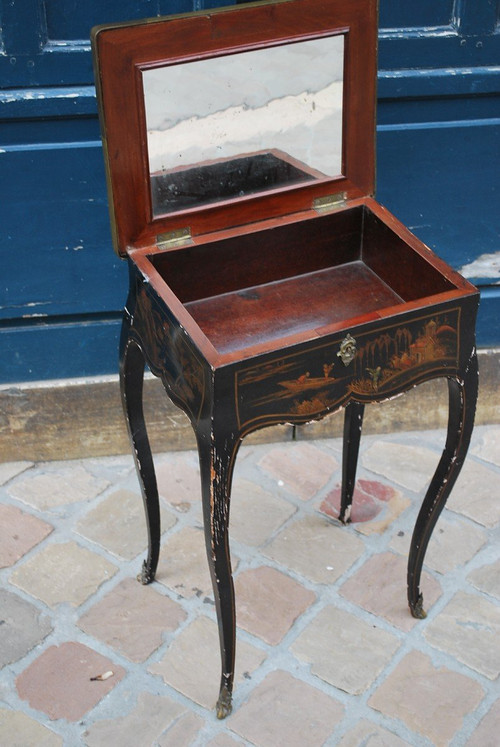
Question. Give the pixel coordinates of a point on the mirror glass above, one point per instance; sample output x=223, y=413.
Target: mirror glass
x=241, y=124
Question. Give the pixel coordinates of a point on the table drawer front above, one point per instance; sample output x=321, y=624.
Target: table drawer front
x=370, y=365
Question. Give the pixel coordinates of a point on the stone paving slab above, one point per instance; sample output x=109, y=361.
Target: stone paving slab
x=469, y=629
x=178, y=477
x=118, y=524
x=250, y=505
x=57, y=485
x=377, y=587
x=224, y=740
x=268, y=602
x=184, y=731
x=63, y=572
x=133, y=619
x=452, y=545
x=8, y=470
x=476, y=492
x=302, y=469
x=487, y=444
x=19, y=730
x=316, y=549
x=368, y=734
x=345, y=651
x=19, y=533
x=375, y=506
x=487, y=578
x=409, y=466
x=191, y=664
x=284, y=710
x=62, y=681
x=183, y=564
x=22, y=627
x=432, y=701
x=152, y=718
x=486, y=735
x=327, y=652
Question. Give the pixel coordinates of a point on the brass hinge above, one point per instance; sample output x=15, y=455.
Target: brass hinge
x=174, y=239
x=329, y=202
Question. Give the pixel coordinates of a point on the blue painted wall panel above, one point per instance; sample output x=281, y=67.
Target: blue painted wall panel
x=62, y=349
x=441, y=179
x=438, y=167
x=46, y=42
x=55, y=233
x=395, y=14
x=72, y=19
x=487, y=335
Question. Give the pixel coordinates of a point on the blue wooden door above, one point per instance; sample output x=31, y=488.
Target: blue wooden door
x=439, y=135
x=62, y=288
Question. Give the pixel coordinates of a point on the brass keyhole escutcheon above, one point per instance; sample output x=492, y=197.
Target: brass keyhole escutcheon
x=348, y=350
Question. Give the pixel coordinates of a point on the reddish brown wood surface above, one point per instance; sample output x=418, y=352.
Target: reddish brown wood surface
x=264, y=257
x=267, y=312
x=291, y=282
x=389, y=267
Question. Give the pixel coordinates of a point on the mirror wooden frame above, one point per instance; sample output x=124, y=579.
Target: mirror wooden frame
x=122, y=51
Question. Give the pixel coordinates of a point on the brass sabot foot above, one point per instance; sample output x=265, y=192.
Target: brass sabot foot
x=145, y=577
x=417, y=609
x=224, y=704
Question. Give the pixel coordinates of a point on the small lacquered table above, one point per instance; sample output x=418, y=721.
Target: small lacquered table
x=266, y=284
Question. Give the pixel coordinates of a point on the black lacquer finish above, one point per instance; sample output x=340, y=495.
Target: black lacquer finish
x=462, y=405
x=292, y=294
x=353, y=423
x=306, y=381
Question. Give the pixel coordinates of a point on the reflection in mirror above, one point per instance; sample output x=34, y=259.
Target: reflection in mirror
x=237, y=125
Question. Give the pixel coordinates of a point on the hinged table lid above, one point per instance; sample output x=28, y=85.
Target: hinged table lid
x=221, y=118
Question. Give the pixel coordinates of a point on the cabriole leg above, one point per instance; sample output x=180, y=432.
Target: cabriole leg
x=353, y=423
x=462, y=405
x=132, y=365
x=216, y=463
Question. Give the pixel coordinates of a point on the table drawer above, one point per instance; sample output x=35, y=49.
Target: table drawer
x=366, y=366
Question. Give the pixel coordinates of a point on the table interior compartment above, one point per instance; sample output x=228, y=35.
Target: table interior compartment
x=257, y=287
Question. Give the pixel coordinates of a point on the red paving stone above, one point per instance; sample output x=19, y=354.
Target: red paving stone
x=380, y=587
x=285, y=711
x=302, y=468
x=368, y=500
x=123, y=616
x=59, y=681
x=268, y=603
x=19, y=533
x=432, y=701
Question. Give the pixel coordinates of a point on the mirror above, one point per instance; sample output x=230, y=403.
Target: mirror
x=241, y=124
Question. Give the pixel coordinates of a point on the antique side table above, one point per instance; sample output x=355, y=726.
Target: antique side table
x=266, y=284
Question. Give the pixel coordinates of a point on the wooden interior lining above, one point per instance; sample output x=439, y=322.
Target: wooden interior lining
x=286, y=251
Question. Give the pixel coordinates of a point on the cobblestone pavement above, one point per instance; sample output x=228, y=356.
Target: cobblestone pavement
x=327, y=650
